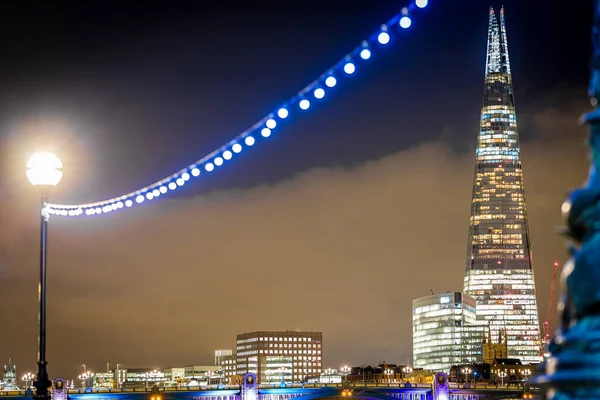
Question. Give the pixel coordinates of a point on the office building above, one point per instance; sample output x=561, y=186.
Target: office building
x=498, y=271
x=445, y=331
x=275, y=356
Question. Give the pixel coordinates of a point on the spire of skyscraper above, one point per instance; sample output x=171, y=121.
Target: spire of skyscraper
x=497, y=48
x=499, y=273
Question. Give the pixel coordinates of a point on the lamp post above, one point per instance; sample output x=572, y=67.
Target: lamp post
x=345, y=371
x=407, y=370
x=388, y=372
x=28, y=378
x=466, y=371
x=363, y=367
x=43, y=170
x=526, y=373
x=502, y=375
x=84, y=378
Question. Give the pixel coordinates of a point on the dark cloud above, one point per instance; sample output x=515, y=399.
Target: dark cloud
x=341, y=250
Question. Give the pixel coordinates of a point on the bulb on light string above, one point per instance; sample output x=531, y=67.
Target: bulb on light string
x=405, y=22
x=349, y=68
x=304, y=104
x=271, y=123
x=383, y=38
x=282, y=113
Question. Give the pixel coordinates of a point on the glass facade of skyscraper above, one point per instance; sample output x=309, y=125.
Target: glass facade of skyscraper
x=499, y=273
x=444, y=331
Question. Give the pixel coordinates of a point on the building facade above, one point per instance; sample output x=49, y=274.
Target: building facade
x=498, y=271
x=445, y=332
x=493, y=350
x=221, y=354
x=275, y=356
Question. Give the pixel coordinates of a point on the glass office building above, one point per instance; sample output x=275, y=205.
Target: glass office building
x=445, y=331
x=499, y=273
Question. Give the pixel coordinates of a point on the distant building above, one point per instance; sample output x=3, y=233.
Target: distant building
x=201, y=374
x=495, y=350
x=498, y=270
x=9, y=377
x=445, y=332
x=510, y=370
x=228, y=368
x=220, y=354
x=174, y=376
x=273, y=356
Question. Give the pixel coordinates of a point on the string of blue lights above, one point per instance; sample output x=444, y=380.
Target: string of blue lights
x=263, y=129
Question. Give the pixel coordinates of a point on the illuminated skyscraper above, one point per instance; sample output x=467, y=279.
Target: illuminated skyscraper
x=499, y=273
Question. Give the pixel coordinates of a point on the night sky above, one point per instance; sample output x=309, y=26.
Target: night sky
x=335, y=224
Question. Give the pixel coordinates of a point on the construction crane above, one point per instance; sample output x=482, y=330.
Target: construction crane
x=548, y=323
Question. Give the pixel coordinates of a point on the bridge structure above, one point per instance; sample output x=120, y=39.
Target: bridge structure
x=249, y=390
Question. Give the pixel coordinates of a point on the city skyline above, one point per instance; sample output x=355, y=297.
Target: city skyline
x=498, y=268
x=363, y=197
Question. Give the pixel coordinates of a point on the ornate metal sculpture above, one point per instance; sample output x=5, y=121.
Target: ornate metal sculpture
x=573, y=369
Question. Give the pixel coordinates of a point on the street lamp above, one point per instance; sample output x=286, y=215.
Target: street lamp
x=84, y=378
x=345, y=371
x=502, y=375
x=208, y=376
x=526, y=373
x=407, y=370
x=388, y=372
x=28, y=377
x=466, y=371
x=43, y=170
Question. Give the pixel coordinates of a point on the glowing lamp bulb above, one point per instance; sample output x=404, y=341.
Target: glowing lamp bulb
x=209, y=167
x=319, y=93
x=349, y=68
x=236, y=148
x=172, y=185
x=227, y=155
x=330, y=81
x=249, y=141
x=271, y=124
x=195, y=171
x=405, y=22
x=421, y=3
x=128, y=203
x=304, y=104
x=383, y=38
x=218, y=161
x=365, y=54
x=282, y=113
x=138, y=200
x=265, y=132
x=44, y=169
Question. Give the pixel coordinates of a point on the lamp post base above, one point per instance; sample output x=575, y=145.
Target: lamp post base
x=42, y=384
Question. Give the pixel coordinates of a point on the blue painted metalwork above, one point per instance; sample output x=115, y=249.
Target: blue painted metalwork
x=573, y=369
